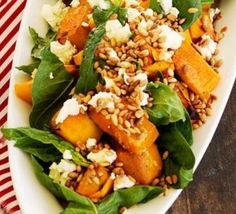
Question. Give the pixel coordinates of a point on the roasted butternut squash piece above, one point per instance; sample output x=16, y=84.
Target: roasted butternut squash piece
x=158, y=66
x=142, y=167
x=78, y=58
x=106, y=189
x=196, y=30
x=23, y=90
x=71, y=68
x=195, y=71
x=92, y=181
x=71, y=27
x=132, y=142
x=76, y=129
x=144, y=3
x=187, y=36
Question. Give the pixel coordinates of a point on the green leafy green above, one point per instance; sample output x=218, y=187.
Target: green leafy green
x=167, y=107
x=84, y=205
x=155, y=6
x=174, y=142
x=121, y=12
x=207, y=1
x=48, y=93
x=101, y=16
x=183, y=7
x=185, y=128
x=185, y=176
x=30, y=67
x=127, y=198
x=88, y=77
x=40, y=43
x=44, y=137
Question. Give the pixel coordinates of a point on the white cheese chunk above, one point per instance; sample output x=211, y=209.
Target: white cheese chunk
x=54, y=14
x=166, y=5
x=59, y=172
x=105, y=99
x=166, y=55
x=70, y=107
x=63, y=52
x=103, y=4
x=75, y=3
x=67, y=155
x=90, y=143
x=115, y=30
x=148, y=12
x=123, y=181
x=144, y=99
x=172, y=39
x=51, y=76
x=174, y=11
x=132, y=14
x=122, y=73
x=109, y=83
x=207, y=46
x=113, y=54
x=105, y=157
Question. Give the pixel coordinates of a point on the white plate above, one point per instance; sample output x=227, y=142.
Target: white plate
x=33, y=197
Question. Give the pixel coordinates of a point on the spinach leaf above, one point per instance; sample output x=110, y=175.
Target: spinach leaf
x=167, y=107
x=174, y=142
x=185, y=176
x=84, y=204
x=40, y=43
x=76, y=208
x=48, y=93
x=155, y=6
x=46, y=138
x=101, y=16
x=122, y=13
x=185, y=128
x=88, y=77
x=183, y=7
x=207, y=1
x=29, y=68
x=127, y=198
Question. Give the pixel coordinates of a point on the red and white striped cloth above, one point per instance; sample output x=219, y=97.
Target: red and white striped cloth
x=10, y=18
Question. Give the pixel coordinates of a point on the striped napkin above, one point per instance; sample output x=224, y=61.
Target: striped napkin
x=10, y=17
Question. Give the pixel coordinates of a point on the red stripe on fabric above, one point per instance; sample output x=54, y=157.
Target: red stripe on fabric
x=4, y=87
x=4, y=161
x=6, y=8
x=8, y=200
x=12, y=17
x=3, y=2
x=3, y=171
x=13, y=210
x=8, y=53
x=3, y=149
x=3, y=104
x=10, y=35
x=3, y=120
x=6, y=70
x=5, y=180
x=5, y=191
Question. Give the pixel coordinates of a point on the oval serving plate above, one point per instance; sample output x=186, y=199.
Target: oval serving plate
x=34, y=197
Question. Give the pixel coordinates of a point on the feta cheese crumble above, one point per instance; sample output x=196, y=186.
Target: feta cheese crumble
x=75, y=3
x=54, y=14
x=113, y=54
x=207, y=47
x=59, y=172
x=51, y=76
x=122, y=73
x=172, y=39
x=123, y=181
x=90, y=143
x=103, y=99
x=144, y=99
x=70, y=107
x=167, y=6
x=105, y=157
x=148, y=12
x=67, y=155
x=115, y=30
x=109, y=82
x=144, y=25
x=103, y=4
x=132, y=14
x=63, y=52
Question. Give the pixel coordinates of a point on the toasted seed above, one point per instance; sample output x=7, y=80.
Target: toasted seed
x=155, y=181
x=139, y=113
x=168, y=180
x=114, y=119
x=192, y=10
x=79, y=178
x=174, y=179
x=78, y=168
x=165, y=155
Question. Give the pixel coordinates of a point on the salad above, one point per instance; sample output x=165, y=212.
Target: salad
x=116, y=89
